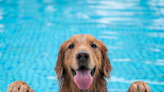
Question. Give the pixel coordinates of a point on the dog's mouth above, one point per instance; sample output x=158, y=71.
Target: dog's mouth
x=82, y=68
x=83, y=77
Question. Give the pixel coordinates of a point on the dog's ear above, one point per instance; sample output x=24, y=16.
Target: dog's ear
x=59, y=68
x=106, y=66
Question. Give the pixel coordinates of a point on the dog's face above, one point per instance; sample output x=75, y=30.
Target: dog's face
x=83, y=58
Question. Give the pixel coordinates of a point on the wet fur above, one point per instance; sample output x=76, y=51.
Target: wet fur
x=63, y=73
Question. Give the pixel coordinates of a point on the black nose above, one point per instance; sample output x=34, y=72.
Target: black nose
x=82, y=56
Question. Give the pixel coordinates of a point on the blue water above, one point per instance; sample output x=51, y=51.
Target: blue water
x=31, y=32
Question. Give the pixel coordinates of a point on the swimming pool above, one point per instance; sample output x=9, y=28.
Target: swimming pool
x=31, y=32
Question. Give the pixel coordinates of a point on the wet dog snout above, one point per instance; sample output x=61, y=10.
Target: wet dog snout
x=82, y=56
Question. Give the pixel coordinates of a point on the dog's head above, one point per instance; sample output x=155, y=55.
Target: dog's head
x=83, y=58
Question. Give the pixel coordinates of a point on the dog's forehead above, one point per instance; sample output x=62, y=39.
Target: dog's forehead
x=83, y=38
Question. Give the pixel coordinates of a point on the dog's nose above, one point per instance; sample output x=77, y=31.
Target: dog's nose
x=82, y=56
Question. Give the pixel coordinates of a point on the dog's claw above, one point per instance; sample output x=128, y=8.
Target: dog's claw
x=19, y=86
x=139, y=87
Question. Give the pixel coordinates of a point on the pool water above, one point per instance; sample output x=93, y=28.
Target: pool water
x=31, y=32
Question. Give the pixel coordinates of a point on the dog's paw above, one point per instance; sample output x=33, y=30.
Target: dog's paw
x=19, y=86
x=139, y=87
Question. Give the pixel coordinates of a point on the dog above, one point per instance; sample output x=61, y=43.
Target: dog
x=82, y=66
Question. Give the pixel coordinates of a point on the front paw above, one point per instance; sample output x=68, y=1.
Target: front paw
x=19, y=86
x=139, y=87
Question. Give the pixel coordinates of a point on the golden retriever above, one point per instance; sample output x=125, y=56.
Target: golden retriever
x=82, y=66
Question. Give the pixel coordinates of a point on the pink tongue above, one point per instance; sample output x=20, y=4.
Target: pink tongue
x=83, y=79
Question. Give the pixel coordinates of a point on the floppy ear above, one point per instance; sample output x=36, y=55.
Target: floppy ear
x=106, y=66
x=59, y=68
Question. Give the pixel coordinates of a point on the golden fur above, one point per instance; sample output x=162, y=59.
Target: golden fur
x=66, y=61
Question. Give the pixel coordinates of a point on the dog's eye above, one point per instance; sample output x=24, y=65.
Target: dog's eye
x=71, y=46
x=94, y=46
